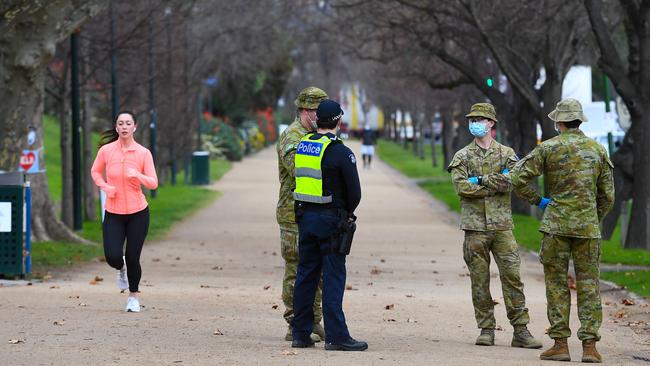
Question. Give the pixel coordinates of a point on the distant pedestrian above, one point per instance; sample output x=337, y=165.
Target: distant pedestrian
x=127, y=165
x=368, y=141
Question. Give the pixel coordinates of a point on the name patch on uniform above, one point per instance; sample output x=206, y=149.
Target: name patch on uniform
x=310, y=148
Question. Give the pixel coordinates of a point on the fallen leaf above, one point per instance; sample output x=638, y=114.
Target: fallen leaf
x=389, y=307
x=608, y=303
x=349, y=287
x=205, y=286
x=390, y=320
x=178, y=258
x=409, y=295
x=375, y=271
x=93, y=282
x=433, y=261
x=267, y=287
x=59, y=322
x=370, y=283
x=16, y=341
x=274, y=253
x=495, y=302
x=155, y=260
x=98, y=278
x=382, y=260
x=217, y=332
x=627, y=302
x=54, y=287
x=217, y=268
x=274, y=306
x=620, y=314
x=288, y=352
x=498, y=327
x=435, y=272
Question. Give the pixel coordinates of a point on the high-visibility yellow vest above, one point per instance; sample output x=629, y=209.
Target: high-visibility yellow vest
x=309, y=175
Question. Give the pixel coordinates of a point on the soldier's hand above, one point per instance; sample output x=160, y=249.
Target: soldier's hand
x=543, y=203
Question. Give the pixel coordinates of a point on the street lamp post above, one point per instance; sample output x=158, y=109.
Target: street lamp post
x=76, y=131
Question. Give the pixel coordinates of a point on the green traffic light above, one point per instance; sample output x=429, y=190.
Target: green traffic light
x=490, y=82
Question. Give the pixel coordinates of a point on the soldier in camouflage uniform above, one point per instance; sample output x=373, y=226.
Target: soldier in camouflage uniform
x=307, y=103
x=581, y=189
x=477, y=174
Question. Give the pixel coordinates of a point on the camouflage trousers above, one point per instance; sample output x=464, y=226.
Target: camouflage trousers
x=554, y=255
x=289, y=246
x=476, y=252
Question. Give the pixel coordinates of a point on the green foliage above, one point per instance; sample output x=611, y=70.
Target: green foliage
x=222, y=138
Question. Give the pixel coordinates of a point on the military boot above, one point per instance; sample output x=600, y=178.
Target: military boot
x=289, y=336
x=559, y=351
x=486, y=338
x=523, y=339
x=589, y=352
x=319, y=330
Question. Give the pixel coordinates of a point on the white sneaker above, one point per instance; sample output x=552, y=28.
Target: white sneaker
x=122, y=278
x=133, y=305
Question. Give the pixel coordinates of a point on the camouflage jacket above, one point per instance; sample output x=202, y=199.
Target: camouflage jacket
x=485, y=207
x=580, y=183
x=286, y=148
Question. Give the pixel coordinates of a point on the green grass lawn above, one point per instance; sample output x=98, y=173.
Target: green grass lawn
x=437, y=182
x=635, y=281
x=172, y=204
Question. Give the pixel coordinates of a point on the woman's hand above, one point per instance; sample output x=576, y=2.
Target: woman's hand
x=132, y=174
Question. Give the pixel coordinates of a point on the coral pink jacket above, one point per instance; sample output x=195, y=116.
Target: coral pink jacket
x=126, y=170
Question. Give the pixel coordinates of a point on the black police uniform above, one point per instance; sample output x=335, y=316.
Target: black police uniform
x=317, y=225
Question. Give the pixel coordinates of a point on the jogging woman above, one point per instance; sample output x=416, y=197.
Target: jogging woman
x=127, y=165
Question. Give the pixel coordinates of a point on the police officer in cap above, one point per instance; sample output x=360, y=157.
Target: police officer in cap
x=327, y=193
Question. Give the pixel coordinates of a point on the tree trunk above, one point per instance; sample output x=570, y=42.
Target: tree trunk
x=28, y=38
x=638, y=235
x=65, y=144
x=447, y=136
x=551, y=94
x=434, y=159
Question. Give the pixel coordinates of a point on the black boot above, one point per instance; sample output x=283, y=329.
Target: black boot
x=349, y=345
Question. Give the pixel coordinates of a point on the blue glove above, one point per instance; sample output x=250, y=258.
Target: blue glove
x=473, y=180
x=505, y=171
x=544, y=202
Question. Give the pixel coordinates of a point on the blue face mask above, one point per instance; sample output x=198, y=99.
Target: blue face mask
x=478, y=129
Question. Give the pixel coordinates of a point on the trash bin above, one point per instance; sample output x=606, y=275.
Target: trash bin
x=11, y=230
x=200, y=167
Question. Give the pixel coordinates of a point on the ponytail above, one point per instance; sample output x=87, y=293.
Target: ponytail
x=111, y=135
x=107, y=137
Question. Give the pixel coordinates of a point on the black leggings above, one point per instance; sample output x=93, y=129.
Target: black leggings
x=132, y=227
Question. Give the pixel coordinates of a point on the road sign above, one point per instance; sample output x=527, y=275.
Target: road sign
x=29, y=162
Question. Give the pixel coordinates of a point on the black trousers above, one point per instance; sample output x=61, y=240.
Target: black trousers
x=132, y=227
